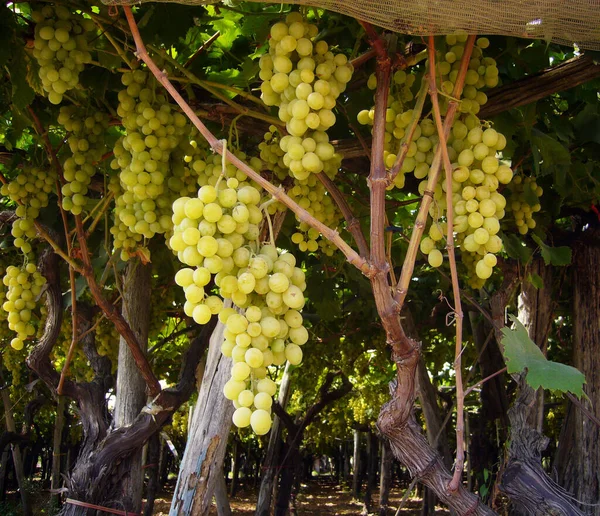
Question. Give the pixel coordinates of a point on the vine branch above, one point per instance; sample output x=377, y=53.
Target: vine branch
x=460, y=397
x=434, y=173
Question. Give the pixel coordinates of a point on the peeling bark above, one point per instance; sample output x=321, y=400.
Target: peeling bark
x=579, y=448
x=207, y=440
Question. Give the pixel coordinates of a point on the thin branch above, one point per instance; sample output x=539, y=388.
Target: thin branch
x=460, y=442
x=202, y=48
x=352, y=223
x=434, y=174
x=173, y=336
x=114, y=315
x=481, y=382
x=217, y=146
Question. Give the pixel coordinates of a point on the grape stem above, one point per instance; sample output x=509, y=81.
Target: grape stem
x=352, y=223
x=408, y=266
x=460, y=396
x=210, y=87
x=352, y=256
x=205, y=46
x=114, y=315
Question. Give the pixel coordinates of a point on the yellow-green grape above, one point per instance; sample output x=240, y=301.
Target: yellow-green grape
x=86, y=142
x=24, y=287
x=523, y=190
x=303, y=78
x=61, y=48
x=260, y=420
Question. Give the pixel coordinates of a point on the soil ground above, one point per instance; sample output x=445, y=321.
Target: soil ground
x=317, y=497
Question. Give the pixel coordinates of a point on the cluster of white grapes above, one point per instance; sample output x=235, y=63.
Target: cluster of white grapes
x=303, y=79
x=154, y=131
x=474, y=149
x=309, y=193
x=30, y=190
x=270, y=332
x=216, y=234
x=24, y=286
x=60, y=48
x=523, y=202
x=86, y=142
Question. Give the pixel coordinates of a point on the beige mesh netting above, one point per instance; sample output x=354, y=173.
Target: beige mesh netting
x=562, y=21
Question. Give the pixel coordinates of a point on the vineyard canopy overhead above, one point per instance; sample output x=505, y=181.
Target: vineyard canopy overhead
x=565, y=22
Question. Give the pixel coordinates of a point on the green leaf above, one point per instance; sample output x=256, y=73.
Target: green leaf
x=554, y=157
x=587, y=125
x=536, y=280
x=516, y=248
x=558, y=256
x=22, y=93
x=522, y=354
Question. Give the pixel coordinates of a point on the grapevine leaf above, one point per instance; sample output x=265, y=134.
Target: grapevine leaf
x=555, y=157
x=6, y=34
x=530, y=196
x=587, y=125
x=522, y=354
x=536, y=280
x=558, y=256
x=22, y=93
x=256, y=26
x=516, y=248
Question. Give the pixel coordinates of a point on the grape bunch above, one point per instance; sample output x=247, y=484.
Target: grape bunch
x=107, y=340
x=30, y=190
x=60, y=48
x=477, y=205
x=269, y=332
x=309, y=193
x=216, y=235
x=523, y=202
x=86, y=142
x=474, y=148
x=154, y=131
x=303, y=79
x=24, y=286
x=210, y=231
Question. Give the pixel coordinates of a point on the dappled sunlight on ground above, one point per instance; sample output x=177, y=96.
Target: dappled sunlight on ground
x=319, y=496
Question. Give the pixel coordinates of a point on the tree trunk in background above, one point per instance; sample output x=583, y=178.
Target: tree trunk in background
x=221, y=499
x=265, y=494
x=490, y=425
x=59, y=425
x=152, y=462
x=371, y=471
x=536, y=307
x=131, y=388
x=579, y=449
x=356, y=466
x=16, y=453
x=207, y=441
x=235, y=467
x=385, y=477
